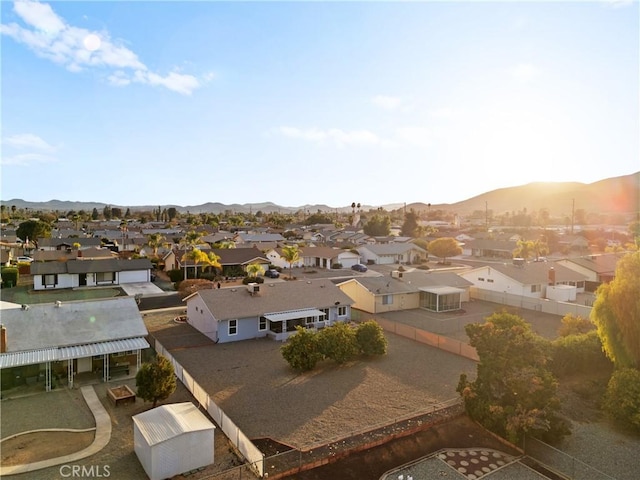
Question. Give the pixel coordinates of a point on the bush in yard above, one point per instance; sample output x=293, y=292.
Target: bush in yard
x=302, y=351
x=9, y=276
x=187, y=287
x=175, y=275
x=336, y=266
x=156, y=380
x=578, y=354
x=622, y=400
x=248, y=280
x=338, y=342
x=371, y=339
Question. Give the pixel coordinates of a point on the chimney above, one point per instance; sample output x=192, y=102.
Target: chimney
x=3, y=339
x=79, y=253
x=552, y=276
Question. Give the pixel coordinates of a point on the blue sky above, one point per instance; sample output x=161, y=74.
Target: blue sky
x=146, y=103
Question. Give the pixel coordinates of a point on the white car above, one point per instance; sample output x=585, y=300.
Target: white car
x=24, y=259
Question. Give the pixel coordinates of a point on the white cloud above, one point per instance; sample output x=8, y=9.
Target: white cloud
x=335, y=136
x=618, y=3
x=386, y=102
x=78, y=49
x=524, y=72
x=28, y=140
x=26, y=159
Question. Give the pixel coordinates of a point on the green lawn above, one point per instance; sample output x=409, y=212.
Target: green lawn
x=26, y=295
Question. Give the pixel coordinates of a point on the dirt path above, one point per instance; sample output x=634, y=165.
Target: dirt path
x=37, y=446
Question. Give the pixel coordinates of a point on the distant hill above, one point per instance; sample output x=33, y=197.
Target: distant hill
x=611, y=195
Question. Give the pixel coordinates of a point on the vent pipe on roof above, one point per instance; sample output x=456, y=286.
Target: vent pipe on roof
x=58, y=303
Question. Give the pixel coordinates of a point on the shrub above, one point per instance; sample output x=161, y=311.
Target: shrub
x=302, y=351
x=9, y=276
x=336, y=265
x=338, y=342
x=371, y=339
x=175, y=275
x=187, y=287
x=575, y=325
x=622, y=400
x=248, y=280
x=578, y=354
x=155, y=380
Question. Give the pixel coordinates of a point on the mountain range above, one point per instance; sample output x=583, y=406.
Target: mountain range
x=617, y=195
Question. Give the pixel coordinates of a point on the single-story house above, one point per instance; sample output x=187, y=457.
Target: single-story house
x=68, y=243
x=173, y=439
x=90, y=273
x=270, y=310
x=438, y=292
x=93, y=253
x=525, y=279
x=390, y=253
x=44, y=341
x=487, y=247
x=258, y=238
x=597, y=268
x=318, y=257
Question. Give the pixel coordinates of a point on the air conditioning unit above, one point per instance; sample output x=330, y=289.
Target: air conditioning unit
x=253, y=288
x=396, y=274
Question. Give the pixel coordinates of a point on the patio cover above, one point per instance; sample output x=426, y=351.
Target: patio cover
x=284, y=316
x=442, y=290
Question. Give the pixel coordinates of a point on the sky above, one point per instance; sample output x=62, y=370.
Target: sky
x=303, y=103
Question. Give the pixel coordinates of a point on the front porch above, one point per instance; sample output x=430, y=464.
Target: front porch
x=284, y=324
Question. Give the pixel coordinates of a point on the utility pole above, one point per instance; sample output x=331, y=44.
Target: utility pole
x=573, y=211
x=486, y=215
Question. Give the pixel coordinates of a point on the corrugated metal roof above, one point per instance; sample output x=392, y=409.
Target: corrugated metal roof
x=169, y=421
x=18, y=359
x=103, y=348
x=33, y=357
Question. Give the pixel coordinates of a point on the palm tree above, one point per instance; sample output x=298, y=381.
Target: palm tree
x=291, y=254
x=189, y=241
x=198, y=256
x=524, y=249
x=213, y=261
x=155, y=241
x=540, y=248
x=255, y=269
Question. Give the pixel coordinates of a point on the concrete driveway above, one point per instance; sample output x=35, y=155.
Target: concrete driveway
x=143, y=288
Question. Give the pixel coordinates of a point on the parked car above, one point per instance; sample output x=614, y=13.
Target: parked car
x=24, y=259
x=358, y=267
x=272, y=273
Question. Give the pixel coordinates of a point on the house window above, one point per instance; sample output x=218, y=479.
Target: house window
x=105, y=277
x=387, y=299
x=262, y=324
x=489, y=280
x=50, y=280
x=535, y=288
x=342, y=311
x=480, y=279
x=233, y=327
x=310, y=321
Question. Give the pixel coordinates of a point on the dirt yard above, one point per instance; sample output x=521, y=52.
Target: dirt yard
x=36, y=446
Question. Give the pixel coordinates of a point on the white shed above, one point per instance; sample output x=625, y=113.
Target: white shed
x=173, y=439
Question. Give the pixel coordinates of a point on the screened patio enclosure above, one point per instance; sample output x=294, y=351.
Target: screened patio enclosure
x=283, y=324
x=441, y=299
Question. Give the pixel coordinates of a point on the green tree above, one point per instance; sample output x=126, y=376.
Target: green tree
x=94, y=214
x=156, y=380
x=371, y=339
x=444, y=247
x=32, y=230
x=338, y=342
x=622, y=400
x=616, y=313
x=291, y=255
x=155, y=241
x=514, y=393
x=524, y=249
x=188, y=242
x=196, y=256
x=302, y=351
x=213, y=261
x=574, y=325
x=410, y=226
x=378, y=226
x=255, y=269
x=172, y=213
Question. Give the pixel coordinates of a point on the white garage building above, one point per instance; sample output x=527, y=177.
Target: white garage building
x=173, y=439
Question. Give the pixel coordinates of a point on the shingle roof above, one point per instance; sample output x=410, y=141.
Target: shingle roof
x=536, y=272
x=597, y=263
x=412, y=282
x=228, y=303
x=91, y=266
x=392, y=248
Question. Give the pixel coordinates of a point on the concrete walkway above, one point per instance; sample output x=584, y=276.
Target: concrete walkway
x=101, y=439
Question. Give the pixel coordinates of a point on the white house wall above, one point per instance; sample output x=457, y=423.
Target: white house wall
x=201, y=318
x=488, y=278
x=65, y=280
x=134, y=276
